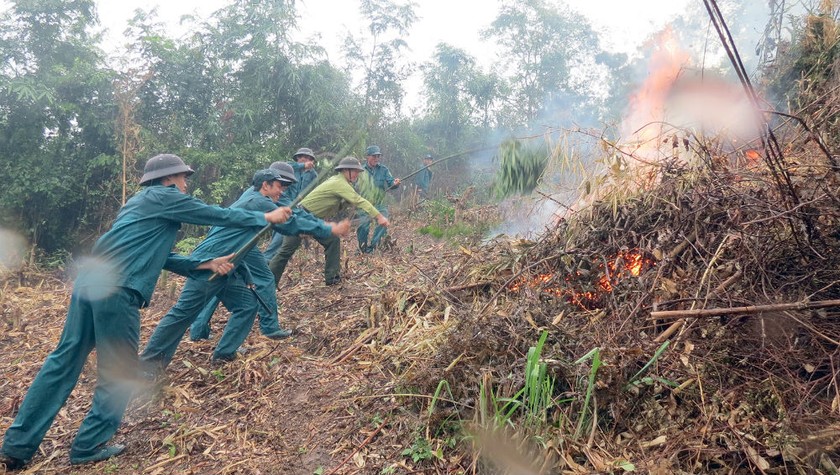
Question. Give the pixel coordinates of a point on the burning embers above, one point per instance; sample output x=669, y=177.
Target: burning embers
x=609, y=272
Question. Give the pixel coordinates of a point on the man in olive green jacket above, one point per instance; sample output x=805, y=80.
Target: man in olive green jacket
x=326, y=201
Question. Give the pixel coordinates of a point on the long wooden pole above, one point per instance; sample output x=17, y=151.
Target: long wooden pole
x=714, y=312
x=450, y=157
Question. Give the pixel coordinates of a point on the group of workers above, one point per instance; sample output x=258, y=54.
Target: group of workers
x=119, y=278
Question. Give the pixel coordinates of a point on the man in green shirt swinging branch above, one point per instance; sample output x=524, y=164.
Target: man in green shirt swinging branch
x=423, y=180
x=328, y=200
x=104, y=313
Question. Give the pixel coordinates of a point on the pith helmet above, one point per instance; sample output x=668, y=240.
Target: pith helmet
x=428, y=157
x=284, y=171
x=304, y=151
x=373, y=150
x=163, y=165
x=349, y=163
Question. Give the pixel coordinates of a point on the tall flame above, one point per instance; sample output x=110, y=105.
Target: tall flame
x=647, y=105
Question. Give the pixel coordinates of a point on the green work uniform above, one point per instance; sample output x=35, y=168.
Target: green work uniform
x=262, y=276
x=232, y=290
x=373, y=184
x=326, y=201
x=104, y=314
x=424, y=180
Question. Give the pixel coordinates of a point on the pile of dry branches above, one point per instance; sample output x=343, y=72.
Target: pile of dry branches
x=708, y=299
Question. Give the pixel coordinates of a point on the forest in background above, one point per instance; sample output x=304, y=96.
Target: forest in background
x=236, y=93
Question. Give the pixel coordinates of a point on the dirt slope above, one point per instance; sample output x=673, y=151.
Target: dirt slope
x=298, y=406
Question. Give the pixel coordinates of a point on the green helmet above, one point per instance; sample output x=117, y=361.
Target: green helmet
x=163, y=165
x=373, y=150
x=286, y=172
x=349, y=163
x=305, y=152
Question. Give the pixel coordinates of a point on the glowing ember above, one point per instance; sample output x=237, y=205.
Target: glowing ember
x=630, y=262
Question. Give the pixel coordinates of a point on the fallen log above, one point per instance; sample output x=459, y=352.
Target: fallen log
x=714, y=312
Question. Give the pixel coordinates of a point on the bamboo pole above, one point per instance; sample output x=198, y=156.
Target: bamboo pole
x=714, y=312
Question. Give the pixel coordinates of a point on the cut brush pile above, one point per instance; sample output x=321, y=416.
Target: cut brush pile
x=628, y=374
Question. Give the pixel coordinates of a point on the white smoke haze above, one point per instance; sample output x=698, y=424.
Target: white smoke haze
x=95, y=278
x=12, y=250
x=684, y=89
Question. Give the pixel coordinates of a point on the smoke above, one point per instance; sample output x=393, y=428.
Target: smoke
x=12, y=251
x=679, y=84
x=95, y=278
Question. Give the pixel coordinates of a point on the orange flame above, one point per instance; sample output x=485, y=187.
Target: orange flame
x=630, y=262
x=647, y=104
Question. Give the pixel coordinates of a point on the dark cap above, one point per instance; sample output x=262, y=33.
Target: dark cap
x=268, y=174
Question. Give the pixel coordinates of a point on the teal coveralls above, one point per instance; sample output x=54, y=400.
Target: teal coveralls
x=232, y=290
x=104, y=314
x=262, y=276
x=424, y=180
x=326, y=201
x=304, y=178
x=372, y=185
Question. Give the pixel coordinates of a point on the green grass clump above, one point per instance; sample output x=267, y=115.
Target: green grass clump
x=520, y=168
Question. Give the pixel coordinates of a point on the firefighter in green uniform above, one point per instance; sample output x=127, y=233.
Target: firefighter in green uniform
x=109, y=291
x=268, y=322
x=372, y=185
x=329, y=199
x=303, y=164
x=424, y=177
x=250, y=286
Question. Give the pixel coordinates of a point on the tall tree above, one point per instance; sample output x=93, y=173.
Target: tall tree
x=459, y=98
x=446, y=80
x=545, y=46
x=56, y=119
x=239, y=92
x=377, y=57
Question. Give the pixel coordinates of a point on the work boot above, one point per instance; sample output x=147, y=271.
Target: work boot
x=217, y=359
x=278, y=334
x=198, y=335
x=152, y=371
x=11, y=463
x=103, y=453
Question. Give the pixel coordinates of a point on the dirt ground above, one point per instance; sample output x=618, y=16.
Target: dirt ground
x=309, y=404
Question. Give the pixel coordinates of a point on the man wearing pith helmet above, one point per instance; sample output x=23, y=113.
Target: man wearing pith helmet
x=373, y=184
x=263, y=279
x=303, y=165
x=329, y=200
x=250, y=286
x=104, y=311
